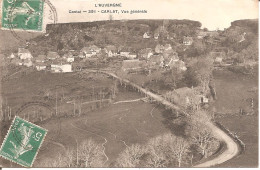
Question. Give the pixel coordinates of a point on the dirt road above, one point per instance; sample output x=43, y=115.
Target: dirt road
x=230, y=152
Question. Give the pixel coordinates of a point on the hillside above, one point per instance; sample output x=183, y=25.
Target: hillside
x=10, y=41
x=239, y=29
x=241, y=36
x=250, y=24
x=63, y=37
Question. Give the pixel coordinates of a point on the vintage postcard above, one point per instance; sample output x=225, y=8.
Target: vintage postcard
x=129, y=84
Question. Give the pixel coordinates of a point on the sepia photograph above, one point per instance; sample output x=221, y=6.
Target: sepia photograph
x=129, y=84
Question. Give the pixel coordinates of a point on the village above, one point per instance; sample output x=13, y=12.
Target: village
x=124, y=83
x=128, y=63
x=163, y=56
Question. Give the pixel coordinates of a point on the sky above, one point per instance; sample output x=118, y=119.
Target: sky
x=213, y=14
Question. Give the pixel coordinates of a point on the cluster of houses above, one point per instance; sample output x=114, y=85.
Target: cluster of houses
x=187, y=40
x=52, y=61
x=161, y=56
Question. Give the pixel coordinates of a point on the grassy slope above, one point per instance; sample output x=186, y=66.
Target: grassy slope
x=232, y=91
x=9, y=41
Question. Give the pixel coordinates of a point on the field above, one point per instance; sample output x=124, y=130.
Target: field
x=116, y=126
x=53, y=89
x=9, y=41
x=233, y=91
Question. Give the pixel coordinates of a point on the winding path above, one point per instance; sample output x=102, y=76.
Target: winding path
x=231, y=151
x=232, y=147
x=129, y=101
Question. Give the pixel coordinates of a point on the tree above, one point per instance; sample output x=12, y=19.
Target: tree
x=200, y=71
x=166, y=150
x=114, y=90
x=199, y=133
x=180, y=149
x=131, y=156
x=155, y=76
x=157, y=149
x=87, y=155
x=90, y=154
x=65, y=160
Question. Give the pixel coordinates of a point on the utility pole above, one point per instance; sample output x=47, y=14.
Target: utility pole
x=100, y=97
x=77, y=153
x=9, y=113
x=74, y=107
x=56, y=105
x=93, y=92
x=80, y=106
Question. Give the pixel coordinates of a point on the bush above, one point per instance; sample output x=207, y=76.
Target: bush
x=89, y=154
x=162, y=151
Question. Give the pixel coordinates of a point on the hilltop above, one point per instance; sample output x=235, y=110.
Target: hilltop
x=128, y=34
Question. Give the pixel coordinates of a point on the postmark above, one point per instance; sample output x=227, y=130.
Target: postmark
x=22, y=142
x=22, y=14
x=29, y=23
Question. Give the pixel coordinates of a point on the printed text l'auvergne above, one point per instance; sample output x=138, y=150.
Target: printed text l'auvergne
x=109, y=5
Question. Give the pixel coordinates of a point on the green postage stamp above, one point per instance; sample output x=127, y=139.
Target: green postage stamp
x=22, y=14
x=22, y=142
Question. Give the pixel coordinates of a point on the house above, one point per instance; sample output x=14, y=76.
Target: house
x=243, y=37
x=55, y=67
x=16, y=61
x=27, y=62
x=88, y=54
x=218, y=55
x=61, y=68
x=40, y=59
x=185, y=97
x=131, y=56
x=124, y=53
x=167, y=47
x=88, y=51
x=156, y=35
x=203, y=99
x=24, y=53
x=147, y=35
x=52, y=55
x=69, y=57
x=12, y=56
x=156, y=60
x=81, y=55
x=187, y=40
x=111, y=53
x=85, y=49
x=95, y=49
x=40, y=66
x=171, y=59
x=111, y=50
x=159, y=48
x=218, y=60
x=201, y=34
x=179, y=64
x=146, y=53
x=171, y=36
x=130, y=65
x=66, y=68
